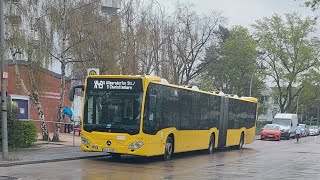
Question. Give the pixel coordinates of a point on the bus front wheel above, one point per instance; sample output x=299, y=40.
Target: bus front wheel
x=211, y=144
x=168, y=149
x=115, y=156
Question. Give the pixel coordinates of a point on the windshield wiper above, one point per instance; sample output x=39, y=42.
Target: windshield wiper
x=90, y=128
x=120, y=128
x=103, y=128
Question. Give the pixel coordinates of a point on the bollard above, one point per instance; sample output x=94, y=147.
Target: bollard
x=48, y=137
x=73, y=133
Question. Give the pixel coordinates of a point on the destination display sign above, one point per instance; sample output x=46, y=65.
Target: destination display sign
x=114, y=84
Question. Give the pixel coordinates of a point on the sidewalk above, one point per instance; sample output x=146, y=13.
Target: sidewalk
x=49, y=152
x=66, y=139
x=257, y=137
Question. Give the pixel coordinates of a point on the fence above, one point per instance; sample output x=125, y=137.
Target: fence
x=69, y=131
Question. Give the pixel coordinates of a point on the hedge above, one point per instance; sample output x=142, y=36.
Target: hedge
x=21, y=134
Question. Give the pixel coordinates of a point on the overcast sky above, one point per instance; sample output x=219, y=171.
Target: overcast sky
x=245, y=12
x=240, y=12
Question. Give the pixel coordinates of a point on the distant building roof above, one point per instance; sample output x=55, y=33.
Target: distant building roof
x=24, y=63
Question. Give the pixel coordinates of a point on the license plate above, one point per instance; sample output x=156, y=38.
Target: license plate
x=270, y=135
x=109, y=150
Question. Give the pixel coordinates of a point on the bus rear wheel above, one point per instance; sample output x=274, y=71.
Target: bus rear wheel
x=241, y=142
x=168, y=149
x=211, y=145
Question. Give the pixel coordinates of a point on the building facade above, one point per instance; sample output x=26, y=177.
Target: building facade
x=49, y=87
x=269, y=107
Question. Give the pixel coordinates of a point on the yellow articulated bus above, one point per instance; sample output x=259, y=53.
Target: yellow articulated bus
x=146, y=116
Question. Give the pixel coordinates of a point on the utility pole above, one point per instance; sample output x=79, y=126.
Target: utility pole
x=318, y=115
x=250, y=88
x=4, y=76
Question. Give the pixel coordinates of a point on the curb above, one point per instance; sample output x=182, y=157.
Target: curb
x=48, y=160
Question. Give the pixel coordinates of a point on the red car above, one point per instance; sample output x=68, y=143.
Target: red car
x=271, y=131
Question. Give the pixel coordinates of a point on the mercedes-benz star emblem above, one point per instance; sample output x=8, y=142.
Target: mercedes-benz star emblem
x=108, y=143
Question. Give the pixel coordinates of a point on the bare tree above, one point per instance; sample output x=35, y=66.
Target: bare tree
x=193, y=35
x=69, y=30
x=30, y=45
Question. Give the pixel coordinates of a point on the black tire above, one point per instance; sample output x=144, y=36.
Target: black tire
x=168, y=152
x=211, y=144
x=115, y=156
x=288, y=137
x=241, y=142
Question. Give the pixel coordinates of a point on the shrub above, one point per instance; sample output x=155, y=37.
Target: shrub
x=21, y=134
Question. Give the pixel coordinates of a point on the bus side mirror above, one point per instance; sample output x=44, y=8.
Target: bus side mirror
x=73, y=89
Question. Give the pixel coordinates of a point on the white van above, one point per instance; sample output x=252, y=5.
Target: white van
x=288, y=122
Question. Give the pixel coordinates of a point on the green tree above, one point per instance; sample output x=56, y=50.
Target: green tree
x=289, y=52
x=234, y=64
x=308, y=99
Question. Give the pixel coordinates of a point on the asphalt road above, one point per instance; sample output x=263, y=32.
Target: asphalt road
x=285, y=159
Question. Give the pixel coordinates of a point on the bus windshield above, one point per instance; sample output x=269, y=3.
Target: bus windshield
x=113, y=105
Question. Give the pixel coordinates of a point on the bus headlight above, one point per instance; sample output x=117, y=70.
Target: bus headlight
x=136, y=145
x=85, y=141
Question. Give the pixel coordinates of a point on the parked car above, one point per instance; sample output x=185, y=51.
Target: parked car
x=313, y=130
x=307, y=130
x=304, y=130
x=271, y=131
x=287, y=122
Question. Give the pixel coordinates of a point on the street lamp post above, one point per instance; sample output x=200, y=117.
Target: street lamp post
x=250, y=88
x=4, y=76
x=297, y=111
x=298, y=103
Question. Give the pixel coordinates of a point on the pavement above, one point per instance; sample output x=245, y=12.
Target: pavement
x=265, y=160
x=42, y=152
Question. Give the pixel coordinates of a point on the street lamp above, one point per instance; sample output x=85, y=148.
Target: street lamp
x=110, y=6
x=297, y=111
x=260, y=67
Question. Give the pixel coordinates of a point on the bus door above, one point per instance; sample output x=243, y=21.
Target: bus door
x=223, y=121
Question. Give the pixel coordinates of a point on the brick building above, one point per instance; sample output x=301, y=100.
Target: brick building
x=49, y=84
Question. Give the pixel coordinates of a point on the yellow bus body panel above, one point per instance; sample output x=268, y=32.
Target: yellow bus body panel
x=184, y=140
x=233, y=136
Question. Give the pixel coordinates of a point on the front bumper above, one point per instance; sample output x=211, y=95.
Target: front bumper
x=115, y=149
x=271, y=136
x=285, y=134
x=312, y=133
